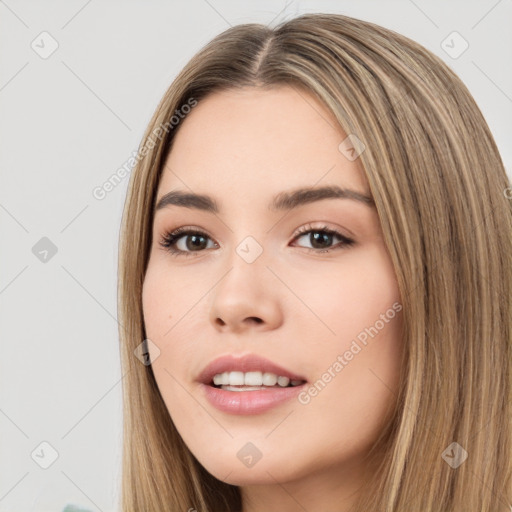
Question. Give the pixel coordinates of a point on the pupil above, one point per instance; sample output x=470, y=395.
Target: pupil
x=194, y=244
x=316, y=236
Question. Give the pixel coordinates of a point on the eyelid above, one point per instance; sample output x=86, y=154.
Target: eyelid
x=170, y=238
x=323, y=227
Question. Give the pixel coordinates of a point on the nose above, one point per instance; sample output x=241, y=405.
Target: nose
x=247, y=297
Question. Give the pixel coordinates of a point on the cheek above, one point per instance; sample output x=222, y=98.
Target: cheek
x=160, y=314
x=162, y=299
x=173, y=315
x=355, y=343
x=350, y=297
x=165, y=299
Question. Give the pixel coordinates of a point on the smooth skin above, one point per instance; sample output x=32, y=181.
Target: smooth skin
x=296, y=304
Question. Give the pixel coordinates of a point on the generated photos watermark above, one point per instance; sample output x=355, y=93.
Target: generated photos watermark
x=343, y=359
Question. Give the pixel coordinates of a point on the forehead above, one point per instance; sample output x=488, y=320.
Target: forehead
x=254, y=143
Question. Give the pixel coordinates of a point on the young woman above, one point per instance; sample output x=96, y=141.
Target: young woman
x=315, y=282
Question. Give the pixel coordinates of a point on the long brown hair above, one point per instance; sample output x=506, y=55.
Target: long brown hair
x=439, y=186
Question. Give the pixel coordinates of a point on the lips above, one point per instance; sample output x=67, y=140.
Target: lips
x=246, y=363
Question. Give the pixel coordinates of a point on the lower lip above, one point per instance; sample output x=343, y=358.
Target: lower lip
x=249, y=402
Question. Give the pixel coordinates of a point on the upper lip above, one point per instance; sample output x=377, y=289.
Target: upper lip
x=246, y=363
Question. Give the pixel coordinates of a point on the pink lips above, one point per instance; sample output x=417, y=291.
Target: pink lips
x=247, y=402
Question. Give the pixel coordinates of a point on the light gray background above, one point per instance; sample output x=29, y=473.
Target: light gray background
x=67, y=123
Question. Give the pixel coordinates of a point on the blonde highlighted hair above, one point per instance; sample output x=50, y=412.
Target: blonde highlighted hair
x=440, y=189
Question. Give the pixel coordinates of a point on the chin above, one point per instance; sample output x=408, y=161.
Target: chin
x=236, y=473
x=249, y=476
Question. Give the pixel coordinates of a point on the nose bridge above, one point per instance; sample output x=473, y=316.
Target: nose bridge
x=245, y=293
x=247, y=270
x=250, y=250
x=249, y=243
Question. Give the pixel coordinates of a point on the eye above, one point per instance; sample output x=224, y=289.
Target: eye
x=322, y=237
x=194, y=240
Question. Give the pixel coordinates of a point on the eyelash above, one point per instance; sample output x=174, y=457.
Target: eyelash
x=169, y=239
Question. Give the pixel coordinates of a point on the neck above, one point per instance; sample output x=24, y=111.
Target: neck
x=332, y=489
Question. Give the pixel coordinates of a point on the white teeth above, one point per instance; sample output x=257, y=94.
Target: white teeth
x=283, y=381
x=236, y=378
x=252, y=379
x=269, y=379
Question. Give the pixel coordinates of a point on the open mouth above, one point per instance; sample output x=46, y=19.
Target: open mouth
x=258, y=387
x=249, y=372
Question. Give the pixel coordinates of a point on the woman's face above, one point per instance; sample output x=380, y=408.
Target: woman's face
x=271, y=283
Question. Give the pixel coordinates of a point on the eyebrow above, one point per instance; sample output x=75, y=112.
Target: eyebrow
x=281, y=202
